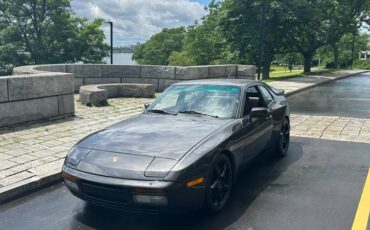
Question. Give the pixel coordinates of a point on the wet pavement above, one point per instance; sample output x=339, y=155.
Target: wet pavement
x=349, y=97
x=317, y=186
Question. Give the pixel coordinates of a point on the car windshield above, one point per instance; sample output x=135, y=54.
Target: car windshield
x=209, y=100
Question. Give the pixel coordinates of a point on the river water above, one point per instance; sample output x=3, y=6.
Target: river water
x=121, y=59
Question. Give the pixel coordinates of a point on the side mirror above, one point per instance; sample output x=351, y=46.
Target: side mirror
x=259, y=112
x=146, y=106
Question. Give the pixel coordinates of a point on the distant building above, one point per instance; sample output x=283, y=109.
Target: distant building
x=364, y=55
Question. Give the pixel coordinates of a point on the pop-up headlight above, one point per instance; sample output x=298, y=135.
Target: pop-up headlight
x=75, y=155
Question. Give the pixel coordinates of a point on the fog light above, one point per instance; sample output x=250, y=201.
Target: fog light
x=71, y=185
x=147, y=199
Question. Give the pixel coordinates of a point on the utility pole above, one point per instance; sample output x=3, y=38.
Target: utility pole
x=262, y=25
x=353, y=49
x=111, y=41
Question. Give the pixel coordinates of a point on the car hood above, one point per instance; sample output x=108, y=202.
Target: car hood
x=146, y=146
x=154, y=135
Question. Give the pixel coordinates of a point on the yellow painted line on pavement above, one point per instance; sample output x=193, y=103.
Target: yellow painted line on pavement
x=363, y=210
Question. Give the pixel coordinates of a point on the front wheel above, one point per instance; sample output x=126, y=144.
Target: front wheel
x=219, y=184
x=282, y=144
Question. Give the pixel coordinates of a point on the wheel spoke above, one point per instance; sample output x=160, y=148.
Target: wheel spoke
x=223, y=173
x=214, y=184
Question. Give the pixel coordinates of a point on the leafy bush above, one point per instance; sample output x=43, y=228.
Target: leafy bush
x=362, y=64
x=6, y=70
x=180, y=59
x=330, y=65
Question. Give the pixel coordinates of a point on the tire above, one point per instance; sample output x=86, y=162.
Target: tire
x=282, y=145
x=219, y=184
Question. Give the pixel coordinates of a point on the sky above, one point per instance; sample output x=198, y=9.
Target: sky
x=136, y=20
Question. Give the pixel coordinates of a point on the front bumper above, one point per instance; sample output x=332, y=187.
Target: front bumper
x=119, y=193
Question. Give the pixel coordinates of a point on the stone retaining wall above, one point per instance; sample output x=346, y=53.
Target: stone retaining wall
x=46, y=91
x=25, y=98
x=160, y=76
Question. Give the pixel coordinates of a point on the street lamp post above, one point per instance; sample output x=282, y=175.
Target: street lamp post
x=111, y=41
x=262, y=24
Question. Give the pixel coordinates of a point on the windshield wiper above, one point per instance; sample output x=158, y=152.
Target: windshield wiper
x=199, y=113
x=160, y=111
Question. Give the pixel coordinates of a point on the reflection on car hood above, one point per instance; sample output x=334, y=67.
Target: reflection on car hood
x=155, y=135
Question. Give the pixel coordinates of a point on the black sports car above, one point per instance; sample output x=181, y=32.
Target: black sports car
x=184, y=151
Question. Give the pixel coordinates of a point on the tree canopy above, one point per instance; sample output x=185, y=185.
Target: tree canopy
x=245, y=32
x=157, y=50
x=47, y=31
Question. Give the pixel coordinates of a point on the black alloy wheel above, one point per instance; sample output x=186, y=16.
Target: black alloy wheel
x=284, y=138
x=219, y=184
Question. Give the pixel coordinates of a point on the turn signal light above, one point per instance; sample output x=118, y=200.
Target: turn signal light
x=195, y=182
x=69, y=176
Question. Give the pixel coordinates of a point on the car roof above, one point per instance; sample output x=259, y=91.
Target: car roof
x=228, y=82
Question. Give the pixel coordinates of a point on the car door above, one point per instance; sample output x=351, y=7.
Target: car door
x=269, y=104
x=256, y=131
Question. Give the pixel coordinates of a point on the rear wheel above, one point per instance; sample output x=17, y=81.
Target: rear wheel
x=282, y=144
x=219, y=184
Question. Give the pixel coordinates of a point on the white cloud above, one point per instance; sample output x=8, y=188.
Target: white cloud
x=137, y=20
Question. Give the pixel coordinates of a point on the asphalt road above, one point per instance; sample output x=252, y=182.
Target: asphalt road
x=348, y=97
x=317, y=186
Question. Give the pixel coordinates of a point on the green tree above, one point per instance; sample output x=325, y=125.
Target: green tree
x=315, y=24
x=241, y=24
x=340, y=54
x=157, y=50
x=47, y=31
x=180, y=59
x=199, y=44
x=204, y=43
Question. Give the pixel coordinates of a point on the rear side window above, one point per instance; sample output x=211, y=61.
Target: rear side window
x=267, y=95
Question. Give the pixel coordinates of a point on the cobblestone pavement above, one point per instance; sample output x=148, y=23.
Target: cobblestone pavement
x=331, y=128
x=33, y=152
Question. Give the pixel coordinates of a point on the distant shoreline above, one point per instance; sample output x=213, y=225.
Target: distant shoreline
x=117, y=52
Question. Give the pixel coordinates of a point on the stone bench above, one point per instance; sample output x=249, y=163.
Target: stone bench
x=97, y=95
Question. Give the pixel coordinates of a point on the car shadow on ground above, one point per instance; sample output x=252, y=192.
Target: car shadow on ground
x=261, y=174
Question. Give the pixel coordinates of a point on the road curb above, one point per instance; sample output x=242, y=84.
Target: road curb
x=27, y=186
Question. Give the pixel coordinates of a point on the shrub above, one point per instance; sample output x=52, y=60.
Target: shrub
x=6, y=70
x=362, y=64
x=330, y=65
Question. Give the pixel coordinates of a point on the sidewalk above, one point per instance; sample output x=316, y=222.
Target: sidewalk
x=31, y=156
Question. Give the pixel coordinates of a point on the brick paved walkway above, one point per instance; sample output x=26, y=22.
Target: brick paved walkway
x=31, y=153
x=331, y=128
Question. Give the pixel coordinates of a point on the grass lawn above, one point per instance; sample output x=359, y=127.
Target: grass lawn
x=275, y=68
x=285, y=74
x=277, y=75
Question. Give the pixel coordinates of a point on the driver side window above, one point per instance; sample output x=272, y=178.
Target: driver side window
x=267, y=95
x=253, y=99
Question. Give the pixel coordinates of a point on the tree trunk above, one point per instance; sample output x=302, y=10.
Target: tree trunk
x=307, y=61
x=335, y=55
x=266, y=70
